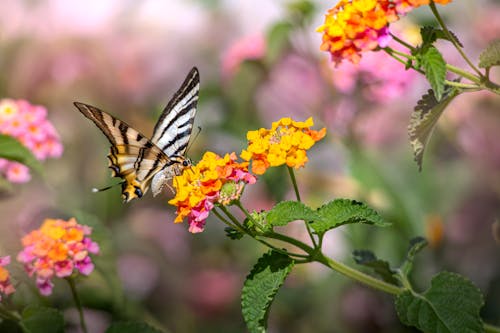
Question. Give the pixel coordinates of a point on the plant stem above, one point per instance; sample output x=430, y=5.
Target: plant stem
x=451, y=38
x=360, y=276
x=463, y=73
x=402, y=42
x=297, y=194
x=12, y=315
x=72, y=286
x=294, y=182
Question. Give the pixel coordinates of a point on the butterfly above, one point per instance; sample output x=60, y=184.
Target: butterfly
x=141, y=162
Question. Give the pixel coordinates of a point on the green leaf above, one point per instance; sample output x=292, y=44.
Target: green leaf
x=132, y=327
x=277, y=41
x=491, y=55
x=344, y=211
x=38, y=319
x=14, y=150
x=424, y=119
x=431, y=34
x=450, y=305
x=260, y=287
x=435, y=69
x=288, y=211
x=381, y=267
x=416, y=245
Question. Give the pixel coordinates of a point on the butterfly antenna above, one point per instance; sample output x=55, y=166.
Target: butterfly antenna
x=95, y=190
x=194, y=139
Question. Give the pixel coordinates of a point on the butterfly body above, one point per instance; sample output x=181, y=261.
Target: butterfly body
x=141, y=162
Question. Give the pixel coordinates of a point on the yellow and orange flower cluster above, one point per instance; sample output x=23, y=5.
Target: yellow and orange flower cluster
x=214, y=180
x=356, y=26
x=286, y=142
x=6, y=287
x=58, y=248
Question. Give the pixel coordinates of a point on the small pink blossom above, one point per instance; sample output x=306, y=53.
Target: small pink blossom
x=29, y=125
x=6, y=287
x=247, y=48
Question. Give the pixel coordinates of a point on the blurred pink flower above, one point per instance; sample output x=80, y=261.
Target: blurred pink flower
x=58, y=248
x=381, y=78
x=6, y=288
x=247, y=48
x=28, y=124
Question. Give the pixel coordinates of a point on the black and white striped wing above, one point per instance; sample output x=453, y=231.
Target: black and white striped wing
x=173, y=130
x=132, y=156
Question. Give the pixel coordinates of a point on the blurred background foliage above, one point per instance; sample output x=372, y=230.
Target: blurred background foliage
x=259, y=61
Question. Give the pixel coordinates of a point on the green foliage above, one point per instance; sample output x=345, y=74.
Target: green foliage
x=451, y=304
x=491, y=55
x=431, y=34
x=344, y=211
x=381, y=267
x=278, y=41
x=38, y=319
x=288, y=211
x=416, y=245
x=14, y=150
x=260, y=287
x=434, y=66
x=424, y=119
x=132, y=327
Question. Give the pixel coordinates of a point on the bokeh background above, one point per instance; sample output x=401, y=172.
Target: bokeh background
x=259, y=61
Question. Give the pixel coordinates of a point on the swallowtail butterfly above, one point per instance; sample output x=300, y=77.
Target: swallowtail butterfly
x=141, y=162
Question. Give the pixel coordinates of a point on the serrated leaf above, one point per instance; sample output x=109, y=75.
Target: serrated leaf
x=38, y=319
x=13, y=150
x=431, y=34
x=260, y=287
x=288, y=211
x=435, y=69
x=344, y=211
x=424, y=119
x=277, y=41
x=450, y=305
x=416, y=245
x=381, y=267
x=491, y=55
x=132, y=327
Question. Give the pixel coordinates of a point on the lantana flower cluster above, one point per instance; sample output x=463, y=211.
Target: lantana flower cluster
x=214, y=180
x=217, y=180
x=356, y=26
x=27, y=123
x=286, y=142
x=58, y=248
x=6, y=287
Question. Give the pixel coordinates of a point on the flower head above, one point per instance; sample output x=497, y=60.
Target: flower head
x=28, y=124
x=6, y=288
x=58, y=248
x=214, y=180
x=356, y=26
x=286, y=142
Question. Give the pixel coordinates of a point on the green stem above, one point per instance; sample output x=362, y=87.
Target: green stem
x=225, y=221
x=72, y=286
x=12, y=315
x=297, y=194
x=402, y=42
x=462, y=85
x=491, y=329
x=360, y=276
x=451, y=38
x=306, y=248
x=294, y=182
x=393, y=53
x=463, y=73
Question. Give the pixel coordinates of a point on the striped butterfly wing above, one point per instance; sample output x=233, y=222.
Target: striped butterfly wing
x=173, y=130
x=133, y=157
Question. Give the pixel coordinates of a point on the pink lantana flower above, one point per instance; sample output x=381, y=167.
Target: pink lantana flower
x=6, y=287
x=28, y=124
x=59, y=248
